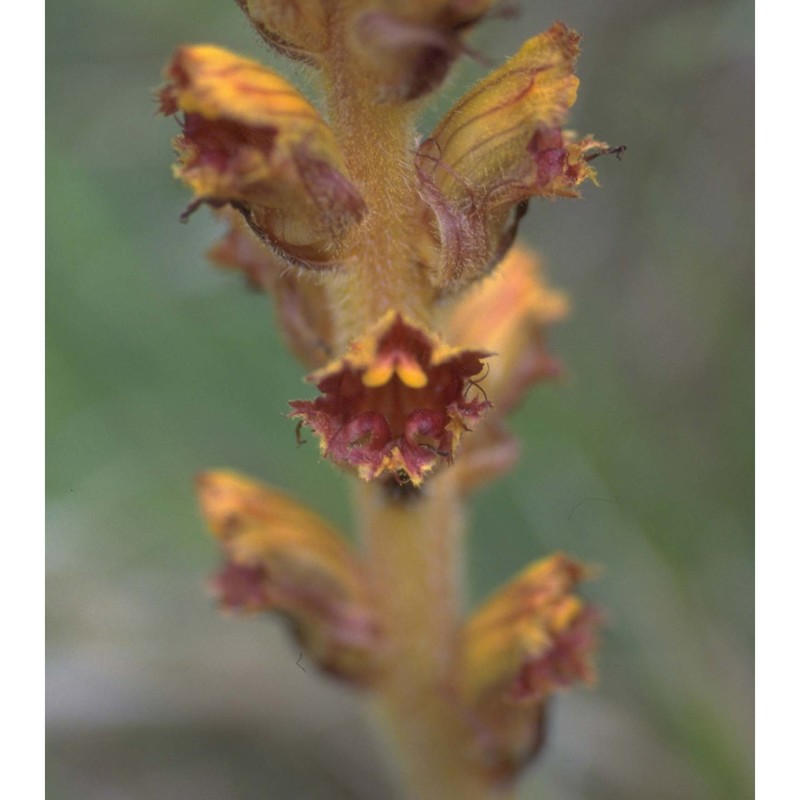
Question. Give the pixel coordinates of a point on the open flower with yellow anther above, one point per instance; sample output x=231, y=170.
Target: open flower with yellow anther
x=390, y=259
x=397, y=403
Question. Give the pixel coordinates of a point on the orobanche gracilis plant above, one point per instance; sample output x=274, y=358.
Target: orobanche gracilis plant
x=392, y=266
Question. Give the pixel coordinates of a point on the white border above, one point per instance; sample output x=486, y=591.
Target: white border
x=777, y=441
x=22, y=353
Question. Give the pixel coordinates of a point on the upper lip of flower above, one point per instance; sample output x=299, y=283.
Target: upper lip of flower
x=251, y=140
x=533, y=636
x=500, y=145
x=281, y=555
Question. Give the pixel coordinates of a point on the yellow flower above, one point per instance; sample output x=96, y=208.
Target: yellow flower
x=500, y=145
x=508, y=313
x=281, y=556
x=251, y=140
x=531, y=638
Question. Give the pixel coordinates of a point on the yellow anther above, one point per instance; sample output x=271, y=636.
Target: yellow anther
x=411, y=374
x=378, y=375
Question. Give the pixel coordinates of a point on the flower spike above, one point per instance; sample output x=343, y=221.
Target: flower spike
x=396, y=403
x=391, y=266
x=250, y=140
x=500, y=145
x=281, y=556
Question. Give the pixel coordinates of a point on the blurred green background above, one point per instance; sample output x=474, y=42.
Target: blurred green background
x=160, y=366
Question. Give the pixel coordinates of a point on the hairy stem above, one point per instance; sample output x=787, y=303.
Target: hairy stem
x=415, y=552
x=378, y=143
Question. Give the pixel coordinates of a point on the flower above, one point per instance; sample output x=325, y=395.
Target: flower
x=281, y=556
x=252, y=141
x=410, y=46
x=296, y=28
x=500, y=145
x=396, y=403
x=509, y=313
x=530, y=639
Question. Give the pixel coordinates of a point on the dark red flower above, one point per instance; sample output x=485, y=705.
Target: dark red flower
x=397, y=403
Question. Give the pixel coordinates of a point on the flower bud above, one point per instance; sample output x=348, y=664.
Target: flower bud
x=500, y=145
x=281, y=556
x=296, y=28
x=410, y=46
x=508, y=312
x=396, y=403
x=252, y=141
x=531, y=638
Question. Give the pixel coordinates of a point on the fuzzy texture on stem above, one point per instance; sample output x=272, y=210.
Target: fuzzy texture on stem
x=377, y=143
x=414, y=552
